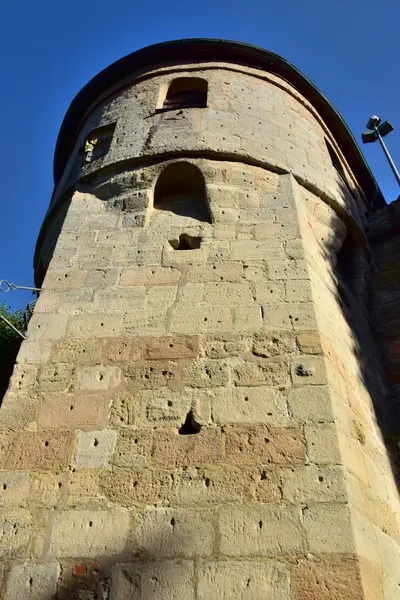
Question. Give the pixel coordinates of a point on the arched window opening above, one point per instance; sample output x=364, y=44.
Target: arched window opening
x=98, y=142
x=180, y=189
x=186, y=92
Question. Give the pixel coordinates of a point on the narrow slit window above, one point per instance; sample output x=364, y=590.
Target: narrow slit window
x=186, y=92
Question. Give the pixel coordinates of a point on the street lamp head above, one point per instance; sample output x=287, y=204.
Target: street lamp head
x=373, y=122
x=369, y=136
x=385, y=128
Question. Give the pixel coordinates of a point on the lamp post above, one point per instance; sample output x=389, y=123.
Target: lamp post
x=377, y=131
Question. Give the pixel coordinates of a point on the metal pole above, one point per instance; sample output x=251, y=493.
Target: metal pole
x=386, y=151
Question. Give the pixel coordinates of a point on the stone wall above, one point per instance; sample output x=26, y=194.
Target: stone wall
x=199, y=422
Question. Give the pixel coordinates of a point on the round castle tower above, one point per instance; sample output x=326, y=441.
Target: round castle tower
x=197, y=411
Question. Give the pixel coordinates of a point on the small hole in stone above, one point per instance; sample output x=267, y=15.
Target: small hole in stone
x=172, y=522
x=260, y=524
x=46, y=443
x=171, y=345
x=263, y=476
x=101, y=377
x=266, y=440
x=246, y=398
x=320, y=478
x=90, y=523
x=186, y=242
x=31, y=581
x=59, y=484
x=96, y=442
x=136, y=440
x=169, y=402
x=4, y=486
x=205, y=319
x=190, y=427
x=71, y=408
x=207, y=482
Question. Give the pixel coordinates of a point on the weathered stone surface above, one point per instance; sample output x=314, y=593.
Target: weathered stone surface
x=234, y=580
x=94, y=448
x=148, y=580
x=32, y=582
x=89, y=533
x=43, y=450
x=327, y=578
x=265, y=530
x=174, y=450
x=260, y=444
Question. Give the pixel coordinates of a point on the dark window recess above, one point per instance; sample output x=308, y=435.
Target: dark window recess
x=98, y=142
x=180, y=189
x=186, y=242
x=190, y=427
x=186, y=92
x=336, y=161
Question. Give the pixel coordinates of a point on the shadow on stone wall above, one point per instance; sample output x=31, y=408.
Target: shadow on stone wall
x=357, y=273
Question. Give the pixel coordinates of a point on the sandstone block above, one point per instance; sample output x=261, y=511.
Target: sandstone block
x=32, y=582
x=256, y=445
x=118, y=300
x=94, y=326
x=298, y=290
x=200, y=319
x=247, y=318
x=276, y=316
x=98, y=378
x=268, y=372
x=224, y=346
x=270, y=292
x=171, y=407
x=328, y=528
x=133, y=448
x=310, y=403
x=152, y=374
x=123, y=349
x=123, y=410
x=161, y=295
x=265, y=530
x=227, y=293
x=94, y=448
x=83, y=488
x=314, y=484
x=332, y=578
x=274, y=343
x=89, y=533
x=78, y=351
x=173, y=347
x=43, y=450
x=150, y=276
x=16, y=527
x=310, y=342
x=47, y=327
x=174, y=450
x=205, y=374
x=170, y=580
x=248, y=250
x=308, y=370
x=14, y=488
x=250, y=405
x=170, y=532
x=217, y=272
x=33, y=353
x=45, y=488
x=64, y=279
x=146, y=321
x=244, y=580
x=323, y=444
x=56, y=378
x=71, y=410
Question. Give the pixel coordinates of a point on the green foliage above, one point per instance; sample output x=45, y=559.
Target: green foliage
x=10, y=342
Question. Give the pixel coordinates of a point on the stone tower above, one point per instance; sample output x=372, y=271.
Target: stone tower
x=200, y=410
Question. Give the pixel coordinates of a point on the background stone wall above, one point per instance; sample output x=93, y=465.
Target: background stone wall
x=198, y=422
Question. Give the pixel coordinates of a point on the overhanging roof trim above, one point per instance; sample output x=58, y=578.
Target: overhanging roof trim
x=187, y=51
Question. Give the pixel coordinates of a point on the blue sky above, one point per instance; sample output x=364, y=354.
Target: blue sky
x=49, y=50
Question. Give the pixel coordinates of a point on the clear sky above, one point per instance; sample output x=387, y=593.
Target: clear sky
x=50, y=49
